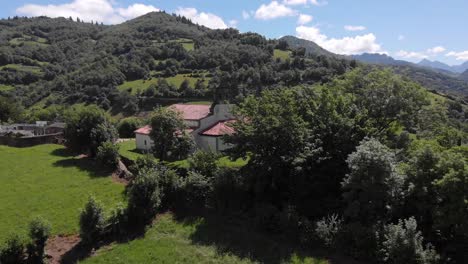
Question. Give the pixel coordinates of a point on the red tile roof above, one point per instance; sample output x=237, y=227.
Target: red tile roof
x=144, y=130
x=192, y=112
x=219, y=129
x=147, y=129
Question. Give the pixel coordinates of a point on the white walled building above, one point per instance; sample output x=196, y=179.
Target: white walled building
x=207, y=127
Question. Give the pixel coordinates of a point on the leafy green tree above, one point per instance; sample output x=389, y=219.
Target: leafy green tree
x=145, y=195
x=127, y=126
x=451, y=211
x=373, y=188
x=108, y=155
x=168, y=134
x=195, y=190
x=92, y=221
x=204, y=163
x=403, y=243
x=12, y=251
x=273, y=134
x=422, y=197
x=9, y=110
x=383, y=99
x=87, y=128
x=39, y=232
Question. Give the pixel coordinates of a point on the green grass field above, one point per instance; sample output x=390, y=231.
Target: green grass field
x=26, y=40
x=200, y=241
x=5, y=88
x=281, y=54
x=142, y=85
x=46, y=181
x=19, y=67
x=128, y=150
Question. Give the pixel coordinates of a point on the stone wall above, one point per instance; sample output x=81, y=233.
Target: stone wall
x=23, y=142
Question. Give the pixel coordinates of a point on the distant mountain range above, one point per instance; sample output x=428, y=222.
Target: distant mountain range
x=441, y=80
x=440, y=65
x=464, y=76
x=376, y=58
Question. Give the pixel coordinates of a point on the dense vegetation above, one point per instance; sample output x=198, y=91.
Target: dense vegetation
x=339, y=155
x=60, y=61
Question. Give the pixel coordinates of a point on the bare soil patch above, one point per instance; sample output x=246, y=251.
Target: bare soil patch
x=58, y=246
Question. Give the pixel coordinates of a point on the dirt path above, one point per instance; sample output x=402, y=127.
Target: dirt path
x=58, y=246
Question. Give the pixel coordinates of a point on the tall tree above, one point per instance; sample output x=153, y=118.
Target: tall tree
x=87, y=128
x=168, y=134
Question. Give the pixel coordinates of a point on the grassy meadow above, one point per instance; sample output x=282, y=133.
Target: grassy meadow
x=47, y=181
x=142, y=85
x=281, y=54
x=200, y=240
x=4, y=87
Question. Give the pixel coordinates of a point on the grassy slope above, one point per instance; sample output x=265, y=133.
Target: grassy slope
x=199, y=241
x=281, y=54
x=128, y=150
x=4, y=87
x=46, y=181
x=142, y=85
x=19, y=67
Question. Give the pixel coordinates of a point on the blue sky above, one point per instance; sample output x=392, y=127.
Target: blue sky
x=410, y=30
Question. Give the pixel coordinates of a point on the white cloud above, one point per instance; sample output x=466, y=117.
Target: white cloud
x=245, y=14
x=436, y=50
x=317, y=3
x=295, y=2
x=354, y=28
x=274, y=10
x=411, y=55
x=206, y=19
x=233, y=23
x=304, y=2
x=136, y=10
x=401, y=37
x=462, y=55
x=346, y=45
x=88, y=10
x=304, y=19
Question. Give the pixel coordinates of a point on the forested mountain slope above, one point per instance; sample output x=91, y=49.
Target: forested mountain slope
x=134, y=65
x=129, y=66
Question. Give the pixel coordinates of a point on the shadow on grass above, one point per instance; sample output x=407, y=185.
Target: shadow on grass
x=62, y=152
x=85, y=164
x=237, y=236
x=81, y=251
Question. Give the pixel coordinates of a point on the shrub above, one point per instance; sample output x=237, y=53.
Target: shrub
x=403, y=243
x=39, y=232
x=108, y=155
x=358, y=241
x=328, y=228
x=118, y=221
x=144, y=197
x=12, y=252
x=195, y=191
x=229, y=191
x=127, y=126
x=268, y=217
x=91, y=221
x=204, y=162
x=143, y=163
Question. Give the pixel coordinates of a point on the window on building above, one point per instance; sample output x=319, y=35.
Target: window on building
x=145, y=142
